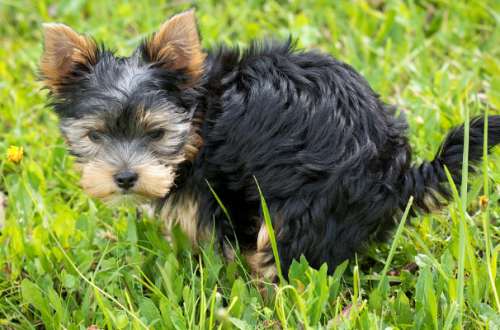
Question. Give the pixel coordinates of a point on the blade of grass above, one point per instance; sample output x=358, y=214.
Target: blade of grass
x=395, y=243
x=225, y=211
x=429, y=254
x=357, y=291
x=219, y=201
x=212, y=241
x=212, y=308
x=103, y=307
x=153, y=288
x=191, y=319
x=136, y=325
x=203, y=302
x=463, y=241
x=474, y=279
x=486, y=214
x=270, y=230
x=281, y=309
x=451, y=316
x=370, y=277
x=461, y=251
x=461, y=203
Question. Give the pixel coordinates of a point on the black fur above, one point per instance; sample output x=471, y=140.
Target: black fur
x=330, y=157
x=333, y=161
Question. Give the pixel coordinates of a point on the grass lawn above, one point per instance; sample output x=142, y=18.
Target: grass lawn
x=67, y=262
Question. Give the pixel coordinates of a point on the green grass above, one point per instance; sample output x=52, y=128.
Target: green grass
x=438, y=60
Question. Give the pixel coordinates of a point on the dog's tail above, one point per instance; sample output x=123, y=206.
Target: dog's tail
x=425, y=182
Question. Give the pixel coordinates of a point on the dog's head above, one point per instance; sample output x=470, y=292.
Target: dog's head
x=128, y=121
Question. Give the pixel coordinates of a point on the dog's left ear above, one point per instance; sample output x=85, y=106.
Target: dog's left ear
x=177, y=44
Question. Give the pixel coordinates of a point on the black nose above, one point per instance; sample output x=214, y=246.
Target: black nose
x=126, y=180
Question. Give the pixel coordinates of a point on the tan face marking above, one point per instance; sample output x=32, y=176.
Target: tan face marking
x=154, y=182
x=97, y=179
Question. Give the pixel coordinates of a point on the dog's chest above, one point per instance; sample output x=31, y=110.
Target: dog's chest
x=183, y=211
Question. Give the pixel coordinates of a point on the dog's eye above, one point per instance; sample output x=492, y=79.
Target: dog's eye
x=95, y=136
x=156, y=135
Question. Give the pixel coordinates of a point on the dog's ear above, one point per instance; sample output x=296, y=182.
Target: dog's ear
x=176, y=45
x=65, y=53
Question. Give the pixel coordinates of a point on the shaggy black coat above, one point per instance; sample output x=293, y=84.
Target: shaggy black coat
x=333, y=161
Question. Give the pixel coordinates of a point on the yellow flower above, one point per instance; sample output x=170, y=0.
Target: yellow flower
x=483, y=202
x=15, y=154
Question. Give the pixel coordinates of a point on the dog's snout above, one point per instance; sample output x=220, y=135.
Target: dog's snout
x=126, y=179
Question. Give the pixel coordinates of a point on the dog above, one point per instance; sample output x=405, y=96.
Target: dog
x=333, y=160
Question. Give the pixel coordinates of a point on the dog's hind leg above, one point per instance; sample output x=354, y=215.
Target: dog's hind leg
x=261, y=261
x=307, y=234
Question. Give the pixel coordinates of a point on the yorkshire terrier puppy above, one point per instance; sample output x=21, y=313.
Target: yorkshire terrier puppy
x=332, y=160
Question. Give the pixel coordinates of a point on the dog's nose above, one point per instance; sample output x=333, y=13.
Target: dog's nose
x=126, y=179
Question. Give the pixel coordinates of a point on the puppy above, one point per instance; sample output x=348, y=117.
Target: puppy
x=333, y=161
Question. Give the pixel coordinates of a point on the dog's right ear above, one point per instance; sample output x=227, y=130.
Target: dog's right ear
x=65, y=53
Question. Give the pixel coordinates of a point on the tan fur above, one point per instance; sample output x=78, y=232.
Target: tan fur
x=258, y=273
x=154, y=180
x=97, y=179
x=153, y=120
x=193, y=145
x=263, y=241
x=75, y=131
x=430, y=202
x=255, y=261
x=184, y=213
x=156, y=120
x=63, y=47
x=260, y=257
x=228, y=253
x=178, y=39
x=82, y=126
